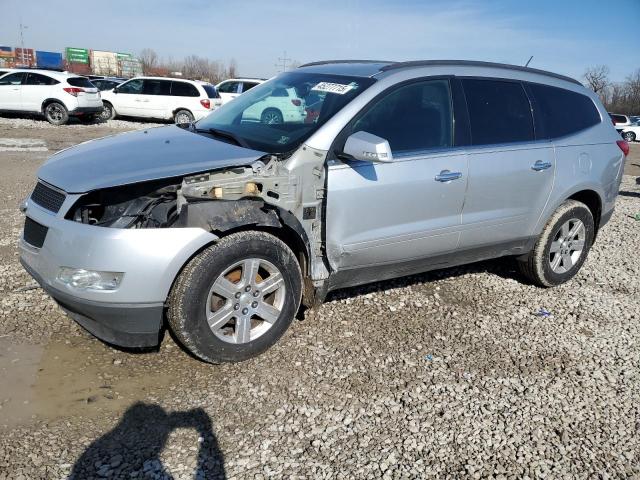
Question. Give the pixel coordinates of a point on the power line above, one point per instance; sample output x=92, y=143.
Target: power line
x=282, y=62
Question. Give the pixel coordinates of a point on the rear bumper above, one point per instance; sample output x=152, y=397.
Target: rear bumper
x=124, y=325
x=85, y=110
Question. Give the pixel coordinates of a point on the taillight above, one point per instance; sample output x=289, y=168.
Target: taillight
x=205, y=103
x=624, y=146
x=73, y=90
x=296, y=102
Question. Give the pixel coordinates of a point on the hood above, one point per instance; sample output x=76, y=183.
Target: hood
x=132, y=157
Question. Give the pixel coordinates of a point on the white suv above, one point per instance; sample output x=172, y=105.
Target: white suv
x=163, y=98
x=231, y=88
x=56, y=95
x=283, y=105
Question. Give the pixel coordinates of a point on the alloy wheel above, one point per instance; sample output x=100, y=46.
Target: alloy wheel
x=567, y=246
x=245, y=300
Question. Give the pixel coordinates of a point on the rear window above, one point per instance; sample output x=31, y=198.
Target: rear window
x=80, y=82
x=248, y=86
x=211, y=91
x=499, y=112
x=561, y=112
x=37, y=79
x=183, y=89
x=619, y=118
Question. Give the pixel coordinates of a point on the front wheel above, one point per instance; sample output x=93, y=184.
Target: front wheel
x=271, y=116
x=629, y=136
x=56, y=113
x=236, y=298
x=562, y=246
x=108, y=112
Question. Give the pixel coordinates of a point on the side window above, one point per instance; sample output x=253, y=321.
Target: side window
x=37, y=79
x=560, y=112
x=248, y=86
x=229, y=87
x=156, y=87
x=413, y=117
x=12, y=79
x=183, y=89
x=619, y=118
x=280, y=92
x=499, y=112
x=132, y=86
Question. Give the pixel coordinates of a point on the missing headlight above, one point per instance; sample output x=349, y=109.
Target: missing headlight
x=145, y=205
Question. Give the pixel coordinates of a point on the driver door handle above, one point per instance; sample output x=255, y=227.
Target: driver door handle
x=540, y=165
x=447, y=176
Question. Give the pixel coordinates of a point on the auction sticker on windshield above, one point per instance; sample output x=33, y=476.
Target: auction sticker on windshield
x=329, y=87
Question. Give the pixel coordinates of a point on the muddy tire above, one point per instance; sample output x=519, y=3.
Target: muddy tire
x=56, y=113
x=562, y=247
x=236, y=298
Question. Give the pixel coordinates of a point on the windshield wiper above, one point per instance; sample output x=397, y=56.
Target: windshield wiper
x=224, y=134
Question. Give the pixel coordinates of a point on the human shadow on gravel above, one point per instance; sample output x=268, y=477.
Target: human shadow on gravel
x=132, y=449
x=624, y=193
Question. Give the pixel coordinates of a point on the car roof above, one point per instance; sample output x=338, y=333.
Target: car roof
x=244, y=79
x=51, y=73
x=197, y=82
x=372, y=68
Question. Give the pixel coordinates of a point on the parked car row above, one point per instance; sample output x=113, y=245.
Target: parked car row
x=59, y=96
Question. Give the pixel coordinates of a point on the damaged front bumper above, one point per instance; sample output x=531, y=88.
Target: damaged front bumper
x=130, y=315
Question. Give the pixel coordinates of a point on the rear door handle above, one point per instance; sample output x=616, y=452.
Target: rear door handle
x=447, y=176
x=540, y=165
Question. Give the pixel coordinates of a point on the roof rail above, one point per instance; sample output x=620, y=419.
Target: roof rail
x=327, y=62
x=474, y=63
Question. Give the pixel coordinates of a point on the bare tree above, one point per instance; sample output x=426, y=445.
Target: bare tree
x=232, y=70
x=597, y=78
x=149, y=59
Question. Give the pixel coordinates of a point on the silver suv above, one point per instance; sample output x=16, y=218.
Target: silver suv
x=220, y=229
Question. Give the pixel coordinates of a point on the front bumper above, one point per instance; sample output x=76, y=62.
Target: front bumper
x=131, y=315
x=124, y=325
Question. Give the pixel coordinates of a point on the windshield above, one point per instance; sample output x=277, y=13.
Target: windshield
x=278, y=115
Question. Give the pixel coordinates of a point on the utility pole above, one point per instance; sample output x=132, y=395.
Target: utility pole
x=22, y=27
x=282, y=62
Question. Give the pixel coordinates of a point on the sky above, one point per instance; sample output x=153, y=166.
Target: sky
x=564, y=36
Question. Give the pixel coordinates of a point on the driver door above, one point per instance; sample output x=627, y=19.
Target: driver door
x=129, y=99
x=381, y=214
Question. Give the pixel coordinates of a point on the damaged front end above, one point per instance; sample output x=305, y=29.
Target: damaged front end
x=266, y=195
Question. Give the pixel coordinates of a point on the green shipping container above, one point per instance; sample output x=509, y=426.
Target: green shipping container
x=123, y=56
x=77, y=55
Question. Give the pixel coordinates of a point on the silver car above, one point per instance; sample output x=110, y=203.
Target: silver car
x=219, y=230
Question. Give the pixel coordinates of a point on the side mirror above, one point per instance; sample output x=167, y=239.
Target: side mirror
x=367, y=147
x=115, y=90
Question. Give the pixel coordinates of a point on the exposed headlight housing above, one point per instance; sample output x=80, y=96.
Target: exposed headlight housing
x=82, y=279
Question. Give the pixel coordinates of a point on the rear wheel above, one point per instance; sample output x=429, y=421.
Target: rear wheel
x=108, y=112
x=183, y=116
x=236, y=298
x=562, y=246
x=271, y=115
x=629, y=136
x=56, y=113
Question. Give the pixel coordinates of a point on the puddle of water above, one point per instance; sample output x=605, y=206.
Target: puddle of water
x=68, y=378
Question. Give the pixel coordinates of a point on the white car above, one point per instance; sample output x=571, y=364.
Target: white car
x=631, y=133
x=283, y=105
x=56, y=95
x=231, y=88
x=184, y=101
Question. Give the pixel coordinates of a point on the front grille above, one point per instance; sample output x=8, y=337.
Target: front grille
x=47, y=197
x=34, y=233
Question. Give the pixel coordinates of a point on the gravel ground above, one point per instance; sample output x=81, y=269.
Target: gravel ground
x=446, y=374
